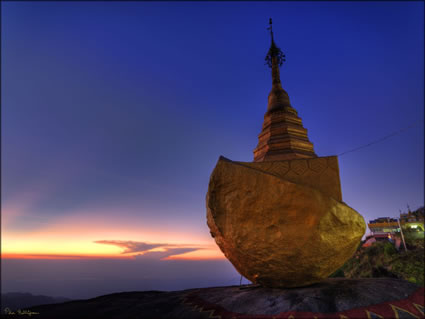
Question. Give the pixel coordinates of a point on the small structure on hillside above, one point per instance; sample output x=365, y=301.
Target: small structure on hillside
x=413, y=220
x=408, y=221
x=384, y=225
x=388, y=229
x=376, y=238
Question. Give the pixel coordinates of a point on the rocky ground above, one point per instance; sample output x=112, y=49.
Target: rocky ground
x=332, y=298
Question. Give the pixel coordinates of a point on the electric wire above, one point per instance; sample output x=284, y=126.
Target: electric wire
x=382, y=138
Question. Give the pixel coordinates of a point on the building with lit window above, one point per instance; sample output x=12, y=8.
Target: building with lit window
x=413, y=220
x=383, y=225
x=388, y=225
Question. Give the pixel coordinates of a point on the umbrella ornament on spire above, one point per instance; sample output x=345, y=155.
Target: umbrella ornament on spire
x=274, y=51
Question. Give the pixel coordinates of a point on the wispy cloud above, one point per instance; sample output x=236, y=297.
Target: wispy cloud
x=132, y=246
x=166, y=253
x=145, y=249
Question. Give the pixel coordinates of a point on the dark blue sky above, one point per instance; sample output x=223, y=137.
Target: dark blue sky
x=115, y=113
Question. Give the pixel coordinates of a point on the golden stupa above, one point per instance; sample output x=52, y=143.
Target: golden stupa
x=280, y=220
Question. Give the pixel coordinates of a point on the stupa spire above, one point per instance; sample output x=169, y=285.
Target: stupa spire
x=278, y=98
x=283, y=136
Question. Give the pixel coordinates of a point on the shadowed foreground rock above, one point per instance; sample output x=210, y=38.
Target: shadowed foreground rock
x=332, y=298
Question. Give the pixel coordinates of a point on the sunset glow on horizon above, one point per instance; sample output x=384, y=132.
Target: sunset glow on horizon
x=66, y=247
x=67, y=237
x=204, y=254
x=75, y=242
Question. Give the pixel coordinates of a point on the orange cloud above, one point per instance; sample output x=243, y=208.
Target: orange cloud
x=165, y=254
x=150, y=250
x=131, y=246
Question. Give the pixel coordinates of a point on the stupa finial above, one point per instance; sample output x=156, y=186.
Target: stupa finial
x=271, y=29
x=275, y=55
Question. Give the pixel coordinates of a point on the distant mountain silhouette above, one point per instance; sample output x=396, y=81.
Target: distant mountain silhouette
x=19, y=300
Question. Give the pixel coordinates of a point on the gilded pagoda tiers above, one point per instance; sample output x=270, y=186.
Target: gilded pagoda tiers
x=283, y=136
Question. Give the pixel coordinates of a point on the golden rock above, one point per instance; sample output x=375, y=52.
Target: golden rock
x=282, y=223
x=280, y=220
